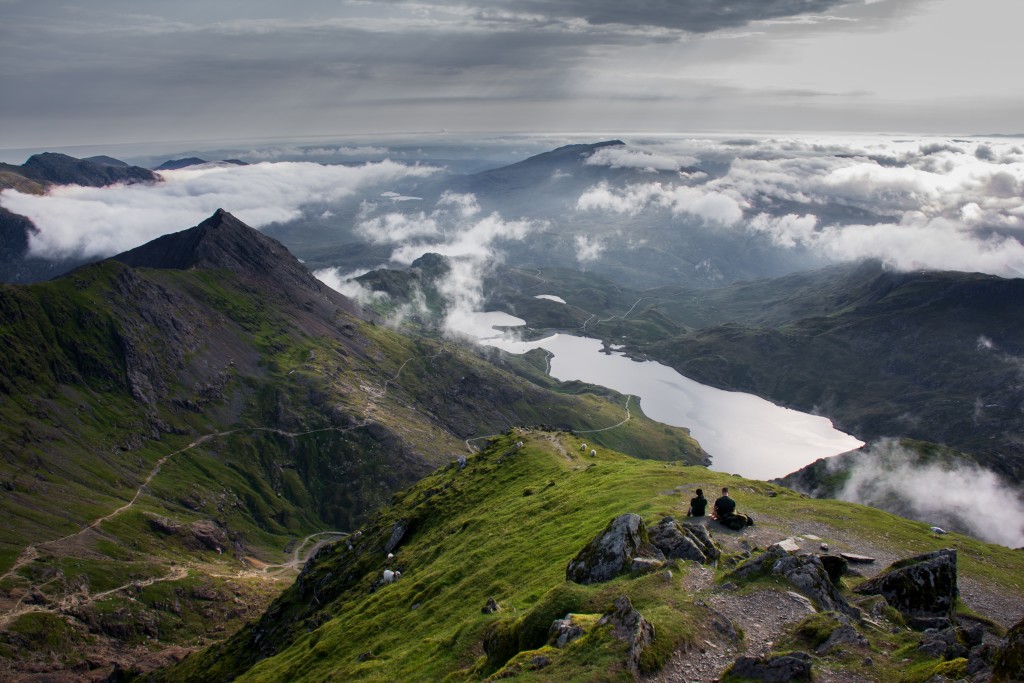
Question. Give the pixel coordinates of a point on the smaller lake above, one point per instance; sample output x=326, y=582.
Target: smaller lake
x=744, y=434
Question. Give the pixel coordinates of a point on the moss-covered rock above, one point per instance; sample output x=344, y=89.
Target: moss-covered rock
x=612, y=551
x=923, y=588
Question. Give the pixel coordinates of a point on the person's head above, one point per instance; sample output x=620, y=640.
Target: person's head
x=700, y=493
x=725, y=490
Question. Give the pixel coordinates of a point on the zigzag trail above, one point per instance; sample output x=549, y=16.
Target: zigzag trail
x=31, y=551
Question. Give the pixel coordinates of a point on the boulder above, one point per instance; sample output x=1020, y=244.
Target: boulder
x=684, y=541
x=843, y=637
x=612, y=551
x=1009, y=657
x=922, y=588
x=630, y=626
x=793, y=666
x=804, y=572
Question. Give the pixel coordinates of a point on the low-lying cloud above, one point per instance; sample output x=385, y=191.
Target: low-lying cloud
x=710, y=205
x=88, y=222
x=455, y=229
x=932, y=204
x=948, y=495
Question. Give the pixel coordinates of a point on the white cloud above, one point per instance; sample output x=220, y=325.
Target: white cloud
x=624, y=157
x=939, y=494
x=587, y=249
x=466, y=203
x=97, y=222
x=786, y=231
x=713, y=206
x=397, y=227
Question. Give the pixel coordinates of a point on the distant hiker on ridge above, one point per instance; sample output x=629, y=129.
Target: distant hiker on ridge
x=725, y=512
x=698, y=505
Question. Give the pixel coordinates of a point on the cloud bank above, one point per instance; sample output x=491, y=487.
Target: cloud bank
x=951, y=496
x=914, y=204
x=87, y=222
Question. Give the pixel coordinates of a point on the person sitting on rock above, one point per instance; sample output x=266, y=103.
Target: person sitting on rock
x=725, y=512
x=698, y=505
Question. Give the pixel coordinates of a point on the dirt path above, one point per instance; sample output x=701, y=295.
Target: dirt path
x=298, y=559
x=81, y=598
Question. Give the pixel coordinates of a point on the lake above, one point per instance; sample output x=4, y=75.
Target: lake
x=744, y=434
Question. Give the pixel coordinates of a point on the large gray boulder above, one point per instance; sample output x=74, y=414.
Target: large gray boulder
x=804, y=572
x=684, y=541
x=612, y=551
x=922, y=588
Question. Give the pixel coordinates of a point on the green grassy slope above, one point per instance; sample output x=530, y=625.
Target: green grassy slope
x=190, y=427
x=505, y=527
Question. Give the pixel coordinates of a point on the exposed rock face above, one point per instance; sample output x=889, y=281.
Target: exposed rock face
x=835, y=566
x=564, y=631
x=629, y=625
x=794, y=666
x=1009, y=659
x=923, y=588
x=684, y=541
x=803, y=572
x=397, y=534
x=613, y=550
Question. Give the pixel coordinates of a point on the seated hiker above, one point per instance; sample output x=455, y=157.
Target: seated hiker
x=698, y=505
x=725, y=512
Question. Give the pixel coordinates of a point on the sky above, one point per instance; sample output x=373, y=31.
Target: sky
x=125, y=71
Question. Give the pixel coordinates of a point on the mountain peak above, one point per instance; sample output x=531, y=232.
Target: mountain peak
x=223, y=242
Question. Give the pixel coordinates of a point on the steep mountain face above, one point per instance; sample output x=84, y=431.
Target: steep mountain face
x=485, y=590
x=204, y=400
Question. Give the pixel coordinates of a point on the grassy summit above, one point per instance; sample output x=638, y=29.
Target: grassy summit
x=505, y=527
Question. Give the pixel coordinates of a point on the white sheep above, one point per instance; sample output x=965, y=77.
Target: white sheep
x=583, y=446
x=519, y=445
x=390, y=576
x=593, y=453
x=391, y=557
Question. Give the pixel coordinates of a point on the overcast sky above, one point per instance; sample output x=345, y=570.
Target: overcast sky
x=118, y=71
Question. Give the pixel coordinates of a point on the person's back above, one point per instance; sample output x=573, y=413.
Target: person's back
x=698, y=505
x=725, y=506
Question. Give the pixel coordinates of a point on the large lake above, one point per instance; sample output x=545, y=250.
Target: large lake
x=744, y=434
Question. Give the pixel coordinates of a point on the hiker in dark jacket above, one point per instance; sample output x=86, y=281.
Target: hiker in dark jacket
x=698, y=505
x=725, y=512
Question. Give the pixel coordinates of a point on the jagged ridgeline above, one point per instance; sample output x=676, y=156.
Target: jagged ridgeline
x=477, y=572
x=176, y=421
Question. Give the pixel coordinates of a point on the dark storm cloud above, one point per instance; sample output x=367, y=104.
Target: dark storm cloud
x=696, y=16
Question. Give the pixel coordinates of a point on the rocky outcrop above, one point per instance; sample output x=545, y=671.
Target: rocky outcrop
x=922, y=588
x=1009, y=658
x=793, y=666
x=630, y=626
x=564, y=631
x=804, y=572
x=612, y=551
x=684, y=541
